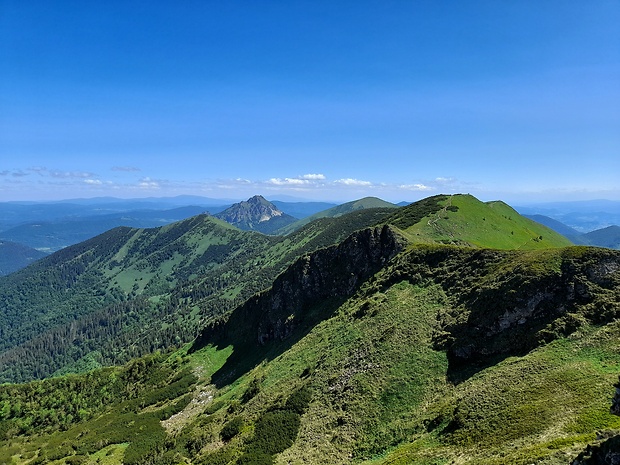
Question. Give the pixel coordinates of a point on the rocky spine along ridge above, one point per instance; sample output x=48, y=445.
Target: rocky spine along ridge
x=333, y=272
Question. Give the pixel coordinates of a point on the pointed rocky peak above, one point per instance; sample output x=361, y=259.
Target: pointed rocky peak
x=256, y=213
x=263, y=208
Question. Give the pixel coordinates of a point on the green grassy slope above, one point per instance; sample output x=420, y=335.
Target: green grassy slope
x=464, y=220
x=337, y=211
x=445, y=355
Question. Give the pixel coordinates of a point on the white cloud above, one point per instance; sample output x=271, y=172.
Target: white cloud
x=93, y=182
x=69, y=174
x=314, y=177
x=148, y=183
x=353, y=182
x=288, y=181
x=415, y=187
x=297, y=181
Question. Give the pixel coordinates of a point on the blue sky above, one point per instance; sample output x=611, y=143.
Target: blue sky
x=518, y=100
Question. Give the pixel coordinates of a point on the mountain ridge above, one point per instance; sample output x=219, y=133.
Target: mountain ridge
x=174, y=278
x=463, y=220
x=433, y=353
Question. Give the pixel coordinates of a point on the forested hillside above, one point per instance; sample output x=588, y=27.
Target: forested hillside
x=374, y=351
x=131, y=291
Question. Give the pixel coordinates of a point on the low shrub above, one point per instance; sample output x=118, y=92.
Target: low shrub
x=298, y=401
x=275, y=432
x=231, y=428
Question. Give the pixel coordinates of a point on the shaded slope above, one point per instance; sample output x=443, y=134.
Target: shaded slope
x=275, y=315
x=508, y=302
x=14, y=256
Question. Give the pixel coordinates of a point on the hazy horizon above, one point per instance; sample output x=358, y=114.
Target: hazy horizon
x=180, y=200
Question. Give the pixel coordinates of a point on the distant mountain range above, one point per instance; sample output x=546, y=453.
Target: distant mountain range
x=583, y=216
x=608, y=237
x=52, y=226
x=54, y=234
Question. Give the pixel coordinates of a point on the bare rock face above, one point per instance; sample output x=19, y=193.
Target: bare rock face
x=331, y=273
x=615, y=402
x=328, y=273
x=516, y=312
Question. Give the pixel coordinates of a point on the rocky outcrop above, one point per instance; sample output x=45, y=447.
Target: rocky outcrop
x=521, y=309
x=615, y=402
x=327, y=274
x=607, y=451
x=508, y=302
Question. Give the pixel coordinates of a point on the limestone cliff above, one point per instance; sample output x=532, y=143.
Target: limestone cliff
x=330, y=273
x=508, y=302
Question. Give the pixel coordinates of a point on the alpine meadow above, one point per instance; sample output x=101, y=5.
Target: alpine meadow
x=447, y=331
